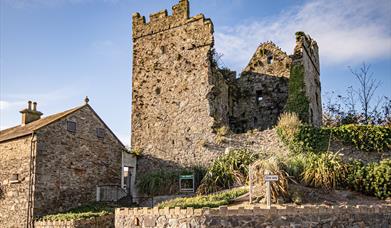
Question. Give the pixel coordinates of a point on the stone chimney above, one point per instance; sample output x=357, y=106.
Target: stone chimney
x=30, y=113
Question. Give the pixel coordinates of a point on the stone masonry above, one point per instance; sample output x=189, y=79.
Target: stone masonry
x=181, y=98
x=69, y=165
x=15, y=159
x=50, y=169
x=253, y=216
x=172, y=82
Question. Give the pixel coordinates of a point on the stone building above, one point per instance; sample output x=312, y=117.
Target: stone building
x=181, y=98
x=55, y=163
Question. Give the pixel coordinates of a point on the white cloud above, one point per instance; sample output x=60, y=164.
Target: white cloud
x=347, y=31
x=50, y=3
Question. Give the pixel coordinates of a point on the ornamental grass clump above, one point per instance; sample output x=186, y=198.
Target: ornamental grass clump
x=227, y=171
x=325, y=170
x=269, y=166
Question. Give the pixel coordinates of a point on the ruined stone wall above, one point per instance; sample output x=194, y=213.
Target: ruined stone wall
x=15, y=159
x=259, y=101
x=173, y=84
x=269, y=59
x=69, y=165
x=262, y=89
x=289, y=216
x=306, y=54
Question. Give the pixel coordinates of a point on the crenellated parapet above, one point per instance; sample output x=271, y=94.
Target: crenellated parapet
x=161, y=21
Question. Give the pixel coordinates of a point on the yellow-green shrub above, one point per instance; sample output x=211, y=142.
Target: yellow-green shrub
x=365, y=137
x=211, y=200
x=325, y=170
x=371, y=179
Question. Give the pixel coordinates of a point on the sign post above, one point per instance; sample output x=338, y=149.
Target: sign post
x=268, y=179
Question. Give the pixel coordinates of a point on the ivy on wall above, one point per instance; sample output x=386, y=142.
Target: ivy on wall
x=297, y=100
x=303, y=138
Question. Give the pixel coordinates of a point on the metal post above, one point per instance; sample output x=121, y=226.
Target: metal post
x=251, y=185
x=268, y=201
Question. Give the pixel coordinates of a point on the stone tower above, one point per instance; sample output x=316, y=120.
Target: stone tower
x=304, y=87
x=181, y=98
x=174, y=103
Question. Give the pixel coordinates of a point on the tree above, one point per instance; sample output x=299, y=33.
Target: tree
x=358, y=106
x=368, y=87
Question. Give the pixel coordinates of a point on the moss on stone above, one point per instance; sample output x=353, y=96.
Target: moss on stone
x=297, y=100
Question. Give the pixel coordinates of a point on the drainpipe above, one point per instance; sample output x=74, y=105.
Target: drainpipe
x=30, y=220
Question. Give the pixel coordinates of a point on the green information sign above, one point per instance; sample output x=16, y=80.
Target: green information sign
x=186, y=183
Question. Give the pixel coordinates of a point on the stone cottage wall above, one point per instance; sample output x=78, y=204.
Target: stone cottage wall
x=172, y=115
x=69, y=165
x=304, y=216
x=15, y=159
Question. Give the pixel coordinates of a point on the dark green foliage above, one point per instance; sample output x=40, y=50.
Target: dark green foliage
x=226, y=171
x=295, y=166
x=371, y=179
x=158, y=182
x=365, y=137
x=325, y=170
x=211, y=201
x=163, y=182
x=303, y=138
x=297, y=100
x=83, y=212
x=313, y=139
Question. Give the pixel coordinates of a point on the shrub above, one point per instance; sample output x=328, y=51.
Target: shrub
x=365, y=137
x=324, y=170
x=227, y=171
x=294, y=166
x=301, y=138
x=312, y=139
x=166, y=182
x=212, y=200
x=288, y=125
x=158, y=182
x=371, y=179
x=83, y=212
x=271, y=166
x=136, y=151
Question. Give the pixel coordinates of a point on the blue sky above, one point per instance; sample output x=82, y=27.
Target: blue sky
x=56, y=52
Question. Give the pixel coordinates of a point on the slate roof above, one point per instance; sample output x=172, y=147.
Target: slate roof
x=20, y=131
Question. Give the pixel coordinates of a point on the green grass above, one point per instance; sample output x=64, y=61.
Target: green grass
x=211, y=201
x=84, y=212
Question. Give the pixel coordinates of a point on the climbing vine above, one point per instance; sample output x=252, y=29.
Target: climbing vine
x=297, y=100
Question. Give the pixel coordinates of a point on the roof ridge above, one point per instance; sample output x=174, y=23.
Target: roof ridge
x=19, y=130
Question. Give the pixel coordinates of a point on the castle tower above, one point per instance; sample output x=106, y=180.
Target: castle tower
x=304, y=86
x=173, y=97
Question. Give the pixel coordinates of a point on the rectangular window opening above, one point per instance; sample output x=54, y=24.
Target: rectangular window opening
x=100, y=133
x=71, y=126
x=259, y=97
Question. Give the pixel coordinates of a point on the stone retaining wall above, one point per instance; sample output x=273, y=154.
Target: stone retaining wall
x=106, y=221
x=304, y=216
